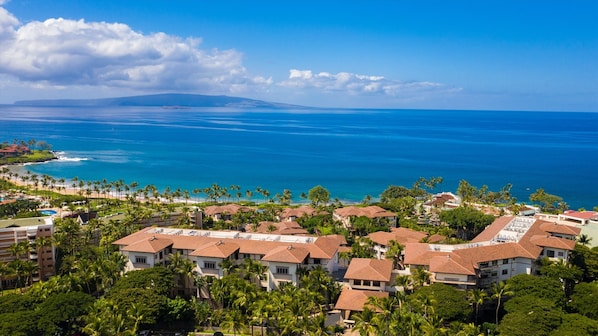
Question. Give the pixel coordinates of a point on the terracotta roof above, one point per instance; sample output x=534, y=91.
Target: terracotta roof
x=560, y=228
x=420, y=254
x=581, y=214
x=150, y=245
x=287, y=254
x=493, y=229
x=451, y=265
x=464, y=260
x=283, y=228
x=227, y=209
x=354, y=300
x=369, y=269
x=554, y=242
x=402, y=236
x=372, y=211
x=324, y=247
x=216, y=249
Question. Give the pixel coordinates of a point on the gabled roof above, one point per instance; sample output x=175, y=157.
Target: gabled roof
x=451, y=265
x=283, y=228
x=304, y=210
x=324, y=247
x=581, y=214
x=493, y=229
x=287, y=254
x=372, y=211
x=354, y=300
x=369, y=269
x=216, y=249
x=402, y=236
x=560, y=228
x=230, y=209
x=420, y=254
x=554, y=242
x=149, y=245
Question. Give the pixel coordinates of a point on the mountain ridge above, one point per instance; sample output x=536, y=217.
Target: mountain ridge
x=166, y=100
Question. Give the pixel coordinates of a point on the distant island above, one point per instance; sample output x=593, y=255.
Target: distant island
x=167, y=100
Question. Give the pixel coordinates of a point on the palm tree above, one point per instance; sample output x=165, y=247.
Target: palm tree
x=234, y=321
x=477, y=297
x=584, y=239
x=385, y=308
x=420, y=276
x=394, y=251
x=499, y=290
x=364, y=322
x=5, y=270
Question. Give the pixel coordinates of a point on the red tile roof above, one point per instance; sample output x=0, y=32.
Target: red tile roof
x=216, y=249
x=230, y=209
x=369, y=269
x=354, y=300
x=370, y=212
x=150, y=245
x=402, y=236
x=287, y=254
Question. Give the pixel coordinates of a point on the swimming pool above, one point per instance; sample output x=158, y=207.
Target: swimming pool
x=48, y=212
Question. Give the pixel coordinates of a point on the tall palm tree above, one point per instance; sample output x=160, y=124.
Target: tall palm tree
x=499, y=290
x=477, y=297
x=364, y=322
x=584, y=239
x=234, y=320
x=394, y=251
x=420, y=276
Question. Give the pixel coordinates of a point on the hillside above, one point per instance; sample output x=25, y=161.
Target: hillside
x=170, y=100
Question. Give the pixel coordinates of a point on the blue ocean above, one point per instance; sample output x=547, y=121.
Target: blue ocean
x=352, y=153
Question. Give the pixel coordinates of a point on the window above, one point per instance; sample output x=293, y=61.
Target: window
x=505, y=272
x=376, y=284
x=140, y=260
x=316, y=261
x=367, y=283
x=282, y=270
x=494, y=262
x=505, y=261
x=209, y=265
x=550, y=254
x=160, y=254
x=560, y=254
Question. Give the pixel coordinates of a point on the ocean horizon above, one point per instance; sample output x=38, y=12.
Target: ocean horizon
x=351, y=152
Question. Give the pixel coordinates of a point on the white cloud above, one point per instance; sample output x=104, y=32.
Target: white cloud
x=59, y=52
x=356, y=84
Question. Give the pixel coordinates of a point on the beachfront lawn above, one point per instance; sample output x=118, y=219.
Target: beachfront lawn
x=35, y=156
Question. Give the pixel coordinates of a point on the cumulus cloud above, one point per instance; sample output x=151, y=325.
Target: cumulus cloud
x=60, y=52
x=357, y=84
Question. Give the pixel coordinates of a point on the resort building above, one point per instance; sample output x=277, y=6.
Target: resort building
x=579, y=217
x=352, y=300
x=284, y=255
x=28, y=230
x=281, y=228
x=401, y=235
x=14, y=150
x=224, y=212
x=347, y=214
x=442, y=201
x=293, y=214
x=508, y=247
x=370, y=274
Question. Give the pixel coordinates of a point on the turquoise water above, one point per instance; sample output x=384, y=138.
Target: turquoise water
x=352, y=153
x=48, y=212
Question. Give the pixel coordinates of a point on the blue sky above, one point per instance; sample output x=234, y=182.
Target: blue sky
x=513, y=55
